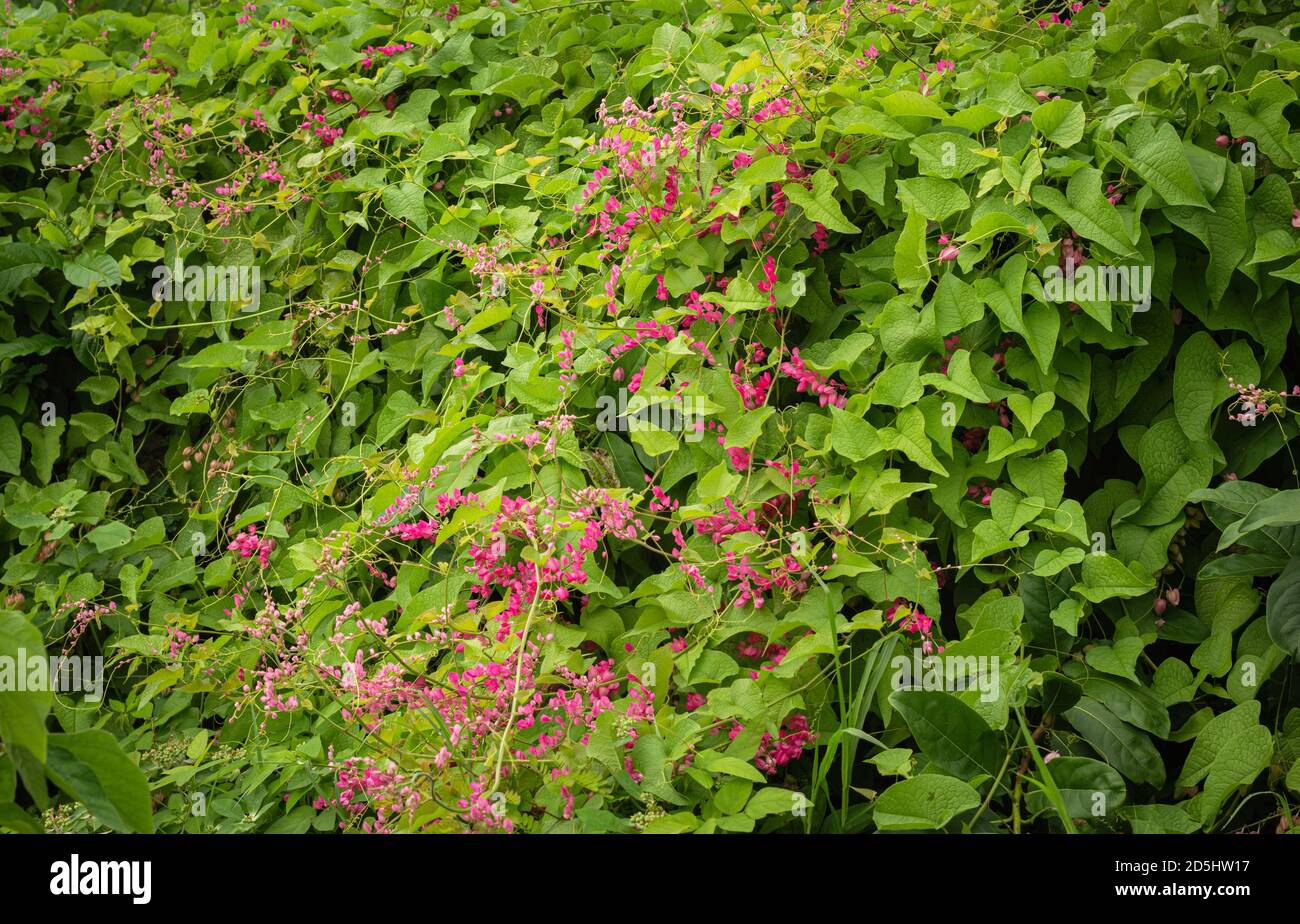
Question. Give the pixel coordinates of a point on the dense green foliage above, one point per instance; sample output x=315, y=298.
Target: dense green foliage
x=977, y=317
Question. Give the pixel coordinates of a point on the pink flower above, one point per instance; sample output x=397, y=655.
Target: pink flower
x=793, y=738
x=949, y=253
x=808, y=381
x=247, y=544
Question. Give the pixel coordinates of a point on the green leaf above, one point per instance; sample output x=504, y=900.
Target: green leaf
x=1230, y=751
x=1173, y=467
x=1118, y=658
x=1158, y=819
x=654, y=440
x=743, y=430
x=1061, y=121
x=1031, y=413
x=898, y=385
x=1199, y=384
x=671, y=42
x=1157, y=155
x=911, y=262
x=902, y=103
x=91, y=767
x=713, y=762
x=863, y=120
x=933, y=198
x=109, y=536
x=406, y=201
x=97, y=269
x=22, y=712
x=1224, y=231
x=1085, y=209
x=1105, y=577
x=216, y=356
x=1067, y=614
x=101, y=388
x=959, y=379
x=1278, y=510
x=14, y=818
x=1123, y=747
x=1283, y=609
x=742, y=295
x=11, y=447
x=893, y=761
x=820, y=204
x=950, y=733
x=1130, y=701
x=956, y=304
x=947, y=154
x=923, y=803
x=909, y=436
x=197, y=401
x=1262, y=118
x=1041, y=477
x=296, y=822
x=1059, y=693
x=1042, y=329
x=717, y=483
x=21, y=261
x=852, y=437
x=771, y=800
x=1226, y=604
x=769, y=169
x=1089, y=788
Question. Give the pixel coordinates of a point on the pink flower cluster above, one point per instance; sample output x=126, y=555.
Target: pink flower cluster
x=427, y=528
x=28, y=117
x=1254, y=401
x=363, y=788
x=520, y=582
x=1056, y=20
x=768, y=285
x=317, y=122
x=793, y=738
x=645, y=330
x=752, y=394
x=913, y=619
x=730, y=523
x=781, y=106
x=386, y=50
x=826, y=391
x=83, y=613
x=786, y=575
x=178, y=639
x=248, y=544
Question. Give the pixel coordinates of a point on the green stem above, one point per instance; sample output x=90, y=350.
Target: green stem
x=1049, y=786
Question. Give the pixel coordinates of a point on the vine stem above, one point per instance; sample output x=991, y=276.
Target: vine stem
x=1049, y=785
x=519, y=673
x=1006, y=762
